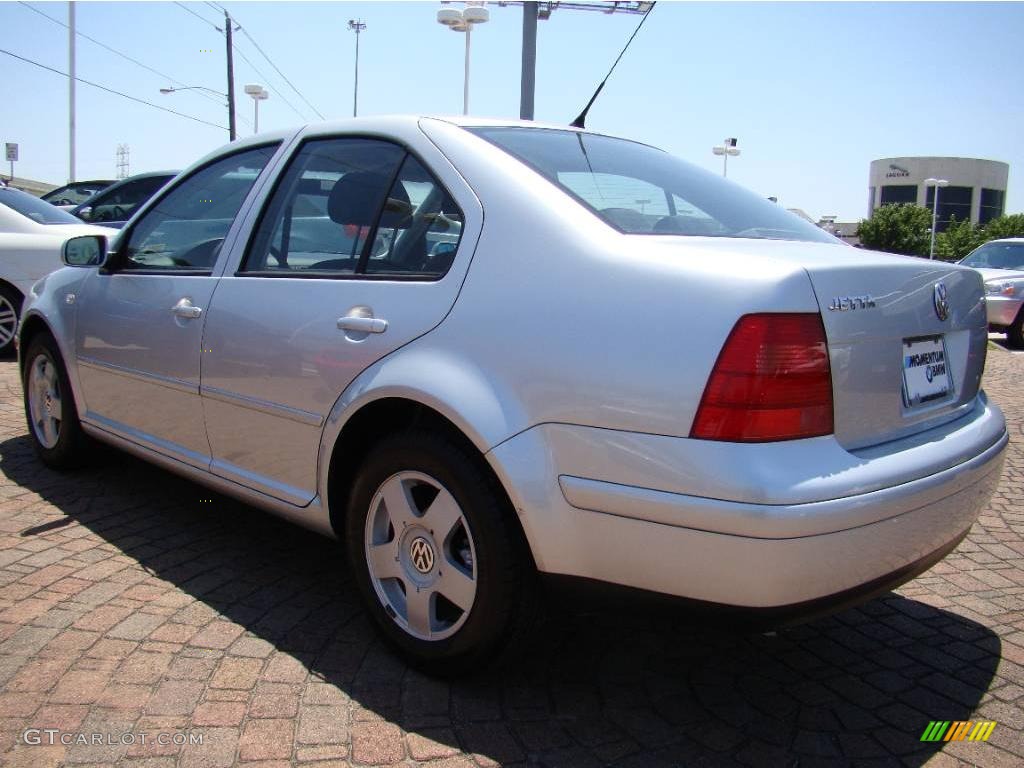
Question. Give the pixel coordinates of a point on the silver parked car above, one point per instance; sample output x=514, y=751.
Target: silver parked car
x=489, y=356
x=1001, y=264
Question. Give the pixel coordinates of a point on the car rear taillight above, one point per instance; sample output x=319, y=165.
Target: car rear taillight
x=772, y=381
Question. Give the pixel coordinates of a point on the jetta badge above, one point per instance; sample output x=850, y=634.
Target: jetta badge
x=848, y=303
x=941, y=302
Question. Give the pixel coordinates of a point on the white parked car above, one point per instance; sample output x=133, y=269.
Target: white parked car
x=32, y=233
x=493, y=355
x=1001, y=264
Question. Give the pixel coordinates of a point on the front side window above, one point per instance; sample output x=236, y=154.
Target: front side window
x=355, y=206
x=185, y=229
x=641, y=190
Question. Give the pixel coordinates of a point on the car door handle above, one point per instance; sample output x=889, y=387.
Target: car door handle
x=362, y=324
x=185, y=309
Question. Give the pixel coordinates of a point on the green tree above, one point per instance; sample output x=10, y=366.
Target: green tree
x=959, y=239
x=1004, y=226
x=903, y=228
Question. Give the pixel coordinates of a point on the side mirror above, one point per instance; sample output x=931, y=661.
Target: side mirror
x=86, y=213
x=86, y=251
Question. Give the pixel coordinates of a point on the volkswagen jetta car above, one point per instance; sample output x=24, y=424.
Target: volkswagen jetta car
x=492, y=355
x=1001, y=264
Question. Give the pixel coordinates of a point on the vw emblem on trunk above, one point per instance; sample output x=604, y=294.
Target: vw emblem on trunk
x=941, y=302
x=422, y=554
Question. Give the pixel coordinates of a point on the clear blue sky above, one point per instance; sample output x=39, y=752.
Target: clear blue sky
x=813, y=91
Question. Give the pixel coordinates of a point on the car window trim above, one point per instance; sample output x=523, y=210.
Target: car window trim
x=170, y=271
x=120, y=254
x=417, y=277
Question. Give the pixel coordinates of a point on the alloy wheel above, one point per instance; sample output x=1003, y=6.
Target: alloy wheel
x=8, y=321
x=44, y=400
x=421, y=556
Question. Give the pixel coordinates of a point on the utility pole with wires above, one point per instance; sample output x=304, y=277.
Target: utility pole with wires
x=231, y=77
x=122, y=161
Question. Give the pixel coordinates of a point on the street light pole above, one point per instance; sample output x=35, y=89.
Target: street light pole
x=71, y=92
x=258, y=93
x=728, y=148
x=463, y=21
x=465, y=76
x=357, y=26
x=936, y=183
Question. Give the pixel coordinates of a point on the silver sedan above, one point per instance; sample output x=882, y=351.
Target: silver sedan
x=1001, y=264
x=493, y=357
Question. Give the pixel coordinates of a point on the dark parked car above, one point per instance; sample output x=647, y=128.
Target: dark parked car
x=113, y=206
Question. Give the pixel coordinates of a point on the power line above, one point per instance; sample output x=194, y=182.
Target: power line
x=283, y=77
x=111, y=90
x=113, y=50
x=267, y=81
x=256, y=45
x=201, y=18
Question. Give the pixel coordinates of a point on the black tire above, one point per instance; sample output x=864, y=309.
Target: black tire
x=71, y=445
x=505, y=606
x=10, y=301
x=1015, y=331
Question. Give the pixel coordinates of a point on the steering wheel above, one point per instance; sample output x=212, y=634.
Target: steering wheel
x=118, y=213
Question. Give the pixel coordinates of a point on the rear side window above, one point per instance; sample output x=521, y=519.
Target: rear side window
x=184, y=230
x=641, y=190
x=355, y=206
x=419, y=229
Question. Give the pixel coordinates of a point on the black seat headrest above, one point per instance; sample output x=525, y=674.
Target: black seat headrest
x=357, y=196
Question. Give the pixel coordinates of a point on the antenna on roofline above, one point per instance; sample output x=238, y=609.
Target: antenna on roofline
x=579, y=121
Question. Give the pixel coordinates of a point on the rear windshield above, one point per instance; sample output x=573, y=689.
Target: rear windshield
x=641, y=190
x=73, y=194
x=40, y=211
x=997, y=256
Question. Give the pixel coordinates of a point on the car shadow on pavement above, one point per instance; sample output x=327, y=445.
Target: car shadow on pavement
x=637, y=689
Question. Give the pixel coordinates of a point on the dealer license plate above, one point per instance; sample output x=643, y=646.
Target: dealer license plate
x=925, y=370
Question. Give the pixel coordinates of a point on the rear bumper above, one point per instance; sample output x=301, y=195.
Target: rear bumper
x=1002, y=310
x=605, y=505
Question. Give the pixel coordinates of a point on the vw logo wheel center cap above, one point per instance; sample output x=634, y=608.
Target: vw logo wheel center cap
x=420, y=555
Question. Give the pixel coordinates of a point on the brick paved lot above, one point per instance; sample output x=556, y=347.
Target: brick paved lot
x=133, y=602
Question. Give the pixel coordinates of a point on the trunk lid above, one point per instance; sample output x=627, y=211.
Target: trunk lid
x=871, y=305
